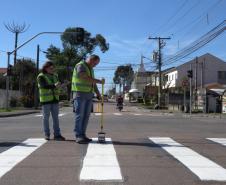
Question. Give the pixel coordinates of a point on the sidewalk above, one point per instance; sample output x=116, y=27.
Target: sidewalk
x=18, y=112
x=176, y=113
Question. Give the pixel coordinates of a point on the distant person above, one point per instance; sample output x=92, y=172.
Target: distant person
x=48, y=85
x=84, y=85
x=120, y=100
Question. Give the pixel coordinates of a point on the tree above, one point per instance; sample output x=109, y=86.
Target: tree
x=76, y=46
x=26, y=69
x=124, y=76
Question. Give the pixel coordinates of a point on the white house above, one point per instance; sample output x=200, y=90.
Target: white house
x=208, y=70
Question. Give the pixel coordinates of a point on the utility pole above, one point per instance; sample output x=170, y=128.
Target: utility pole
x=190, y=81
x=161, y=44
x=36, y=85
x=196, y=83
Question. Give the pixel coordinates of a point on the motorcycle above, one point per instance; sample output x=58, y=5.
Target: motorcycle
x=120, y=104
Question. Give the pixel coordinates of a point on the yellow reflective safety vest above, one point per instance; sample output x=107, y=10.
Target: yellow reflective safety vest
x=80, y=85
x=48, y=95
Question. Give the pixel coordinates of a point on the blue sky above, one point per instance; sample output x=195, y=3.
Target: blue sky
x=126, y=24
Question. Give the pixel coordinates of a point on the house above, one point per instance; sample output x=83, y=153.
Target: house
x=208, y=75
x=3, y=71
x=207, y=70
x=143, y=78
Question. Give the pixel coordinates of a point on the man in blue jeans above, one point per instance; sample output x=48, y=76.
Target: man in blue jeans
x=84, y=85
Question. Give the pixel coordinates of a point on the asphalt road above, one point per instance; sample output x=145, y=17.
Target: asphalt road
x=139, y=160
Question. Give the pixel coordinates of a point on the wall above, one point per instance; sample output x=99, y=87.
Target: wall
x=3, y=96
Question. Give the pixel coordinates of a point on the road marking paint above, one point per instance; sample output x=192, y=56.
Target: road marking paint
x=60, y=115
x=137, y=114
x=39, y=115
x=11, y=157
x=100, y=162
x=118, y=114
x=221, y=141
x=98, y=114
x=201, y=166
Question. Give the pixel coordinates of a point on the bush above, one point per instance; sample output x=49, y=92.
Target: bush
x=140, y=100
x=63, y=97
x=13, y=102
x=27, y=101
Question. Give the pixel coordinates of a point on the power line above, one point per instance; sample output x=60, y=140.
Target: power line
x=181, y=17
x=202, y=41
x=197, y=20
x=172, y=16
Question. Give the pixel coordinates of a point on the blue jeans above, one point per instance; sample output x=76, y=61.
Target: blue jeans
x=54, y=109
x=82, y=107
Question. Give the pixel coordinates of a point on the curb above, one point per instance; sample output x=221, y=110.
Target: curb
x=12, y=114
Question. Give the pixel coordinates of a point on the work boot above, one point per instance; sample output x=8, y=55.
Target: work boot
x=59, y=138
x=81, y=140
x=47, y=138
x=88, y=139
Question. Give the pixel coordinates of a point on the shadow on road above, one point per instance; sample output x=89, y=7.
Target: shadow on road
x=12, y=144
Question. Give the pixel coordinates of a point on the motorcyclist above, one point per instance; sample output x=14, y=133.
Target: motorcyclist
x=120, y=100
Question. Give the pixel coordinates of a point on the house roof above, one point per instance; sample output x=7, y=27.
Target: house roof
x=3, y=70
x=202, y=58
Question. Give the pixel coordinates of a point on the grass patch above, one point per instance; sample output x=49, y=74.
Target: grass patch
x=5, y=110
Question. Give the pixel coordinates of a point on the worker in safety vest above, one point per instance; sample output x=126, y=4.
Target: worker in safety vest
x=84, y=84
x=48, y=84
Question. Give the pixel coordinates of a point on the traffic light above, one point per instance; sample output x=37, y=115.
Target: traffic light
x=190, y=73
x=10, y=70
x=80, y=34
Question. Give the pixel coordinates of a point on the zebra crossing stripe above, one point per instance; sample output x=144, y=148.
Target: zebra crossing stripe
x=221, y=141
x=11, y=157
x=98, y=114
x=38, y=115
x=118, y=114
x=60, y=115
x=100, y=162
x=201, y=166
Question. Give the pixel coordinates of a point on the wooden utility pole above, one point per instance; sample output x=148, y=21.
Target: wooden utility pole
x=161, y=44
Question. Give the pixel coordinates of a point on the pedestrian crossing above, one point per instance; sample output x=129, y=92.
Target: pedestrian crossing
x=118, y=114
x=60, y=115
x=132, y=114
x=100, y=161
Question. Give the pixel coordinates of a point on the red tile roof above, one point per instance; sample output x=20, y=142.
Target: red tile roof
x=3, y=70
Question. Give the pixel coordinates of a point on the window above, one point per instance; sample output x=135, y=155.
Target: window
x=222, y=75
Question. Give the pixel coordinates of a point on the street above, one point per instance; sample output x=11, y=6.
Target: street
x=143, y=148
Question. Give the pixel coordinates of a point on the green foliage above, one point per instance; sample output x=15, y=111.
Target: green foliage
x=13, y=101
x=27, y=101
x=2, y=82
x=124, y=75
x=74, y=50
x=24, y=75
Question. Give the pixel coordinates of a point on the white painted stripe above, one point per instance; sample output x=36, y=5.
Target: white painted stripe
x=118, y=114
x=100, y=162
x=137, y=114
x=221, y=141
x=201, y=166
x=39, y=115
x=62, y=114
x=98, y=114
x=11, y=157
